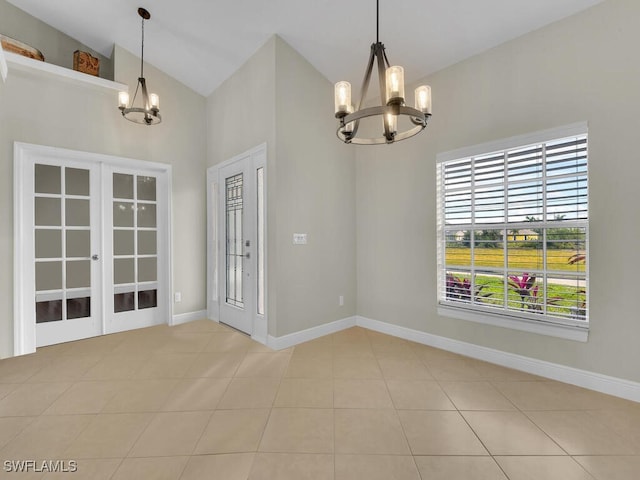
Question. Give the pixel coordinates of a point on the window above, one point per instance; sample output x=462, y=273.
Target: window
x=513, y=229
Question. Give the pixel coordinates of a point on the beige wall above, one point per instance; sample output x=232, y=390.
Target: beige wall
x=241, y=114
x=56, y=47
x=581, y=68
x=277, y=97
x=315, y=195
x=49, y=111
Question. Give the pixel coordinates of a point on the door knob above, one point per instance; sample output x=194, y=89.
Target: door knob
x=95, y=257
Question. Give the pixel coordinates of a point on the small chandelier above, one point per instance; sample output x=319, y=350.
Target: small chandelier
x=391, y=80
x=149, y=112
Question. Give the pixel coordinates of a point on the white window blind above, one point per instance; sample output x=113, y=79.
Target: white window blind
x=513, y=230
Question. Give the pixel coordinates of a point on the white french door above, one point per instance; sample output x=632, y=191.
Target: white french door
x=65, y=238
x=134, y=220
x=237, y=215
x=92, y=245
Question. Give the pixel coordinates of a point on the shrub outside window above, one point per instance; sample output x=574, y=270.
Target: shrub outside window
x=513, y=230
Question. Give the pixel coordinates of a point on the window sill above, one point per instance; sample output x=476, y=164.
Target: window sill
x=578, y=334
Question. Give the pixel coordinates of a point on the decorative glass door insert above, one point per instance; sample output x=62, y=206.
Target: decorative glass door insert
x=234, y=248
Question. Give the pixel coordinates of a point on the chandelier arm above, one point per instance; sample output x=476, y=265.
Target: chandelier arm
x=388, y=134
x=145, y=98
x=386, y=60
x=135, y=94
x=367, y=76
x=364, y=89
x=145, y=94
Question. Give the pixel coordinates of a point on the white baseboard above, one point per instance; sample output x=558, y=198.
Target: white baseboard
x=582, y=378
x=286, y=341
x=188, y=317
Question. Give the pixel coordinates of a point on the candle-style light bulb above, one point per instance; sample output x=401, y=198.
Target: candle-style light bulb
x=423, y=99
x=123, y=100
x=154, y=101
x=342, y=97
x=391, y=121
x=394, y=77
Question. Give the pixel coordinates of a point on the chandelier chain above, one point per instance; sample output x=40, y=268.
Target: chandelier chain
x=377, y=21
x=142, y=56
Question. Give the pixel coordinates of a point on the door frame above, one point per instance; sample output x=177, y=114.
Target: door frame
x=24, y=330
x=258, y=158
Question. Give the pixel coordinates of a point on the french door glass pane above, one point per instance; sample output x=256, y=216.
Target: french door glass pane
x=147, y=269
x=48, y=243
x=48, y=276
x=147, y=299
x=123, y=302
x=77, y=213
x=78, y=274
x=146, y=188
x=147, y=242
x=123, y=214
x=47, y=179
x=122, y=185
x=76, y=181
x=146, y=215
x=123, y=270
x=78, y=243
x=123, y=242
x=78, y=307
x=47, y=212
x=48, y=311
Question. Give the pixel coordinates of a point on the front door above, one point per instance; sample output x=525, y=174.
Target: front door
x=238, y=236
x=241, y=243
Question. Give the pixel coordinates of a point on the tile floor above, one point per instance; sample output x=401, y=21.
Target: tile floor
x=201, y=401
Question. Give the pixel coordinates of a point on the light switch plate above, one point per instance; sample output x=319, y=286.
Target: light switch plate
x=299, y=238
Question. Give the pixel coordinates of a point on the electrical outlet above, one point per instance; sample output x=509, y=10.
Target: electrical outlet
x=177, y=297
x=341, y=300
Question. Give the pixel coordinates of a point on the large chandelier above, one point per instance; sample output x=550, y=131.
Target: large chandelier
x=392, y=107
x=149, y=111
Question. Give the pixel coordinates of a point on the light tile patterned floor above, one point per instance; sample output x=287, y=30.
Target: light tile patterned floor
x=203, y=401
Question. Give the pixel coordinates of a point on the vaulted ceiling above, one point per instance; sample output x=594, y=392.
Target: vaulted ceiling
x=202, y=42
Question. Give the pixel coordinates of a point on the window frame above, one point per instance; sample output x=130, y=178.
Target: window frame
x=573, y=329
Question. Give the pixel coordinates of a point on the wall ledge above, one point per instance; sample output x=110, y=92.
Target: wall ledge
x=36, y=67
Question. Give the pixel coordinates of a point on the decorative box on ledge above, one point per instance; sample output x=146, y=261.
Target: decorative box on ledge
x=86, y=63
